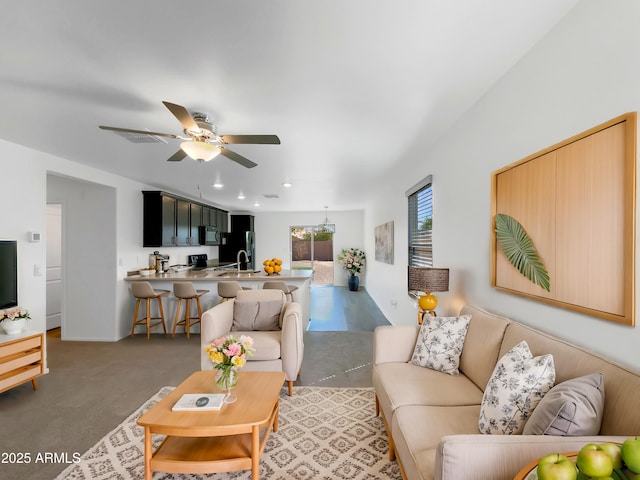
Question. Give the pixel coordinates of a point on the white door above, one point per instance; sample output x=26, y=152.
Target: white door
x=54, y=266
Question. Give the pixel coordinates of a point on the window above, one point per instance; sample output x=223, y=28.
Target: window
x=420, y=224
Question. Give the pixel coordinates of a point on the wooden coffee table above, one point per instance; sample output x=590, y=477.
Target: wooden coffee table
x=224, y=440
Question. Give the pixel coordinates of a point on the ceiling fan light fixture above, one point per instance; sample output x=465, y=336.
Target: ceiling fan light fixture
x=202, y=151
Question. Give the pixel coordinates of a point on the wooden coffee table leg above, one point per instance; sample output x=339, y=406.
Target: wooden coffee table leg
x=148, y=475
x=255, y=452
x=275, y=418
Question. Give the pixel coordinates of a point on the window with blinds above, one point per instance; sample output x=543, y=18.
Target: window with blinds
x=420, y=224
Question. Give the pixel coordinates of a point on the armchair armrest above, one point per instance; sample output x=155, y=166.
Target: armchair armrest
x=500, y=457
x=292, y=345
x=394, y=344
x=216, y=322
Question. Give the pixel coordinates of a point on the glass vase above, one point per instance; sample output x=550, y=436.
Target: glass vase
x=226, y=379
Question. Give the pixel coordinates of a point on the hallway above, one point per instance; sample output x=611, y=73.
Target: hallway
x=338, y=309
x=339, y=342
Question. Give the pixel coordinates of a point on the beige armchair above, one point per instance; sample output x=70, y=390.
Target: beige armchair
x=274, y=324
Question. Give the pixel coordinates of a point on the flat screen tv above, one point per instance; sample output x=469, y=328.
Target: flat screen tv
x=8, y=274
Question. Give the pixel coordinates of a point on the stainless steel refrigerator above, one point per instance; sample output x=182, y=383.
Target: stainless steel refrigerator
x=232, y=243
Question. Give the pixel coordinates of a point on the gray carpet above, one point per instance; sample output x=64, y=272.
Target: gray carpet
x=324, y=433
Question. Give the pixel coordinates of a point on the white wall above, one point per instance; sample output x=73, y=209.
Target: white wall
x=23, y=210
x=586, y=71
x=88, y=253
x=117, y=199
x=273, y=236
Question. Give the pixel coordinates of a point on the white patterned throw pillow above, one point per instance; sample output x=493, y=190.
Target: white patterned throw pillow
x=517, y=384
x=440, y=343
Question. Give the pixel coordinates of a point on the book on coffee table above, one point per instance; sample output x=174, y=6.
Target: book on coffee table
x=193, y=402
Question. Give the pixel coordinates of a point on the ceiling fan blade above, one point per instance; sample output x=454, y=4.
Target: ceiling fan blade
x=183, y=115
x=231, y=155
x=258, y=139
x=177, y=157
x=139, y=132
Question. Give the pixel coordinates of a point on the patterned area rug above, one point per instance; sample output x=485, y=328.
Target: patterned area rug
x=324, y=433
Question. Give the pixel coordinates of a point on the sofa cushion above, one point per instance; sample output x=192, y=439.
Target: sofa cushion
x=266, y=345
x=417, y=430
x=573, y=407
x=244, y=315
x=251, y=315
x=397, y=384
x=516, y=386
x=482, y=345
x=268, y=317
x=440, y=343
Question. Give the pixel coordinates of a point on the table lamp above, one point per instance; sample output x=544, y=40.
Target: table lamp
x=428, y=280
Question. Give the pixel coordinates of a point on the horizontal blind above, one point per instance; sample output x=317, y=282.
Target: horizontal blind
x=420, y=227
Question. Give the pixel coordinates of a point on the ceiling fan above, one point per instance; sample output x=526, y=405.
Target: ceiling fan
x=201, y=141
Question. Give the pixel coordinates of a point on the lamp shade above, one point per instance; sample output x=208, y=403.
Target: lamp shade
x=428, y=279
x=202, y=151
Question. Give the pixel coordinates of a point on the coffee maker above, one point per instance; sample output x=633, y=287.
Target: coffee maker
x=161, y=262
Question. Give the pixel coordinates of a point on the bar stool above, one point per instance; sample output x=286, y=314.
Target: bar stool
x=278, y=285
x=144, y=291
x=228, y=290
x=186, y=291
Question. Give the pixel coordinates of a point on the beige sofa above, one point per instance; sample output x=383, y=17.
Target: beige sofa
x=432, y=418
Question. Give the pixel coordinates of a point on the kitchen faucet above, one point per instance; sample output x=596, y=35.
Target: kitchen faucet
x=246, y=257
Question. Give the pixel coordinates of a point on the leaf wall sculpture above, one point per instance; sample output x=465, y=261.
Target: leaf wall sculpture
x=520, y=251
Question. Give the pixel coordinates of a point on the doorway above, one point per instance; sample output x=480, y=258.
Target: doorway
x=312, y=249
x=54, y=266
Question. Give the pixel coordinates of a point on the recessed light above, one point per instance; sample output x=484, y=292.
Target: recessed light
x=241, y=196
x=286, y=184
x=256, y=204
x=218, y=185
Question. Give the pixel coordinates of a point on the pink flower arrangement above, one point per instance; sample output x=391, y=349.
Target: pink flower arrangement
x=229, y=352
x=15, y=314
x=352, y=260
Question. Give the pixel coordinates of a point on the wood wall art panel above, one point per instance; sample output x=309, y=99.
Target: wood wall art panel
x=528, y=195
x=576, y=201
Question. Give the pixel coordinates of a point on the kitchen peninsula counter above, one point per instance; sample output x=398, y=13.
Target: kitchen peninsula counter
x=207, y=279
x=222, y=275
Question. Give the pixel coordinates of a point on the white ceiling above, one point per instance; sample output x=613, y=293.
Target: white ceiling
x=348, y=86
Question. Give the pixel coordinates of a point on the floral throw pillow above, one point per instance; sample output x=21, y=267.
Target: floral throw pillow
x=440, y=342
x=517, y=384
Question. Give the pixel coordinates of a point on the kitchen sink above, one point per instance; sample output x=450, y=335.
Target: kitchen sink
x=241, y=273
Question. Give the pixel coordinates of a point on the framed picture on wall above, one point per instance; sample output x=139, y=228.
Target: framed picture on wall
x=384, y=243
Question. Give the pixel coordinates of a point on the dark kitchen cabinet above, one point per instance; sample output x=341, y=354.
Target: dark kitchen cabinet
x=171, y=221
x=223, y=221
x=159, y=220
x=183, y=226
x=214, y=217
x=195, y=220
x=242, y=223
x=209, y=216
x=168, y=222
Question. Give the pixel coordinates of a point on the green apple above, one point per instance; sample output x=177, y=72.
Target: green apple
x=631, y=454
x=594, y=462
x=556, y=467
x=614, y=452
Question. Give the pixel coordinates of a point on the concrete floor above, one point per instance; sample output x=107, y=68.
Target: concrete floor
x=93, y=386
